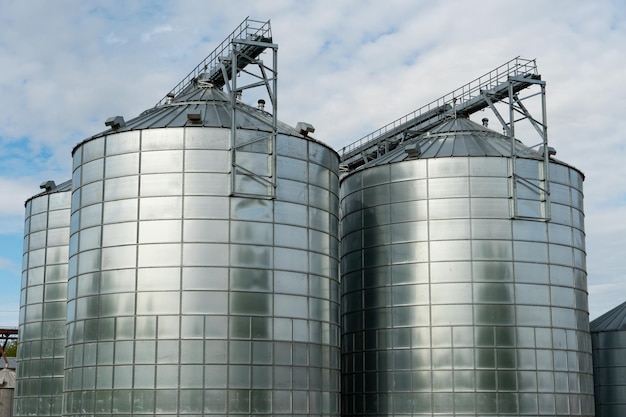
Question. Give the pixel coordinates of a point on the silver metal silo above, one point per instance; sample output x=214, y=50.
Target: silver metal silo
x=608, y=339
x=41, y=348
x=203, y=266
x=455, y=302
x=196, y=259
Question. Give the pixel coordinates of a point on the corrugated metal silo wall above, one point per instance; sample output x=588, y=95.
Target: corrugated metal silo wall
x=41, y=348
x=185, y=300
x=450, y=307
x=609, y=372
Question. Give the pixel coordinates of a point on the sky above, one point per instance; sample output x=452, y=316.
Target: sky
x=347, y=67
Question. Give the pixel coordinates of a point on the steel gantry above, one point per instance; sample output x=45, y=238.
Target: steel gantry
x=251, y=176
x=235, y=66
x=506, y=85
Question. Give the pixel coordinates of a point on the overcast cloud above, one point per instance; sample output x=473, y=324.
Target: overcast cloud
x=348, y=67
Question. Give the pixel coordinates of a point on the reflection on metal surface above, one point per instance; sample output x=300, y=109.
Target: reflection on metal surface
x=205, y=266
x=449, y=305
x=181, y=297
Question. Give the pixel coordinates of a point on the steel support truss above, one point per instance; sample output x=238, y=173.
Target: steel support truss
x=530, y=194
x=514, y=83
x=238, y=57
x=251, y=176
x=517, y=74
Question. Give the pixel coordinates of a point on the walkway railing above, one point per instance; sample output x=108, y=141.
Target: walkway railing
x=516, y=67
x=247, y=30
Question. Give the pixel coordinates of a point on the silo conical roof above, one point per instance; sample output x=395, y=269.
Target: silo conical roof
x=213, y=107
x=54, y=188
x=458, y=137
x=612, y=320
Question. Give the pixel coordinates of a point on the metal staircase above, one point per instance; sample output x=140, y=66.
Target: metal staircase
x=501, y=85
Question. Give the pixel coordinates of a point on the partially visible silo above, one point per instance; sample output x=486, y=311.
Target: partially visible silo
x=7, y=388
x=608, y=339
x=455, y=302
x=41, y=346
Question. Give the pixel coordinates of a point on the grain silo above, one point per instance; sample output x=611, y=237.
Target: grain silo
x=41, y=349
x=463, y=265
x=203, y=262
x=608, y=339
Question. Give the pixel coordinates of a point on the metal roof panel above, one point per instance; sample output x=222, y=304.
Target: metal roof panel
x=458, y=137
x=612, y=320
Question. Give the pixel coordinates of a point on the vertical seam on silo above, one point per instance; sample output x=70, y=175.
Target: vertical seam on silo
x=470, y=197
x=136, y=269
x=181, y=265
x=430, y=304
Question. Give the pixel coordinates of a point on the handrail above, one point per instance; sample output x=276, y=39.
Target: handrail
x=248, y=29
x=515, y=67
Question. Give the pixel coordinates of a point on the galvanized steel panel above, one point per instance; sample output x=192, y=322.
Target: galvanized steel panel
x=608, y=337
x=455, y=308
x=43, y=306
x=180, y=253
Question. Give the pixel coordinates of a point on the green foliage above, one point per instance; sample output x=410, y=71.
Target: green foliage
x=11, y=348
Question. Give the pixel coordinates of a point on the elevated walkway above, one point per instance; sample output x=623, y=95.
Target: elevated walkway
x=248, y=41
x=494, y=86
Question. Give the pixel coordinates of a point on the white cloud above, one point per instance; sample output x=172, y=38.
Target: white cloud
x=346, y=67
x=112, y=39
x=147, y=36
x=6, y=263
x=16, y=189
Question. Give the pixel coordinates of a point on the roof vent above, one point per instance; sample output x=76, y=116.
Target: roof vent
x=115, y=122
x=413, y=150
x=261, y=104
x=170, y=98
x=551, y=150
x=194, y=118
x=47, y=185
x=485, y=122
x=304, y=128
